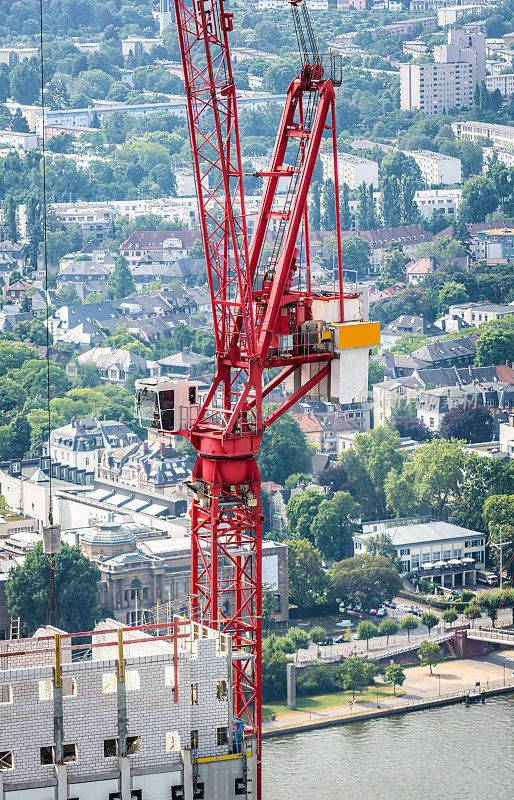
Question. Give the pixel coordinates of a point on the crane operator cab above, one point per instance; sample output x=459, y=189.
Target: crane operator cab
x=164, y=404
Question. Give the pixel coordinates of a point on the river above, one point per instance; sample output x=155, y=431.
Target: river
x=450, y=753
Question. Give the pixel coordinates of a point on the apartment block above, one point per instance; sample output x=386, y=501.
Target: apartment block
x=463, y=46
x=499, y=135
x=435, y=88
x=505, y=155
x=477, y=313
x=495, y=245
x=505, y=83
x=436, y=168
x=137, y=45
x=137, y=717
x=445, y=200
x=448, y=15
x=352, y=170
x=13, y=55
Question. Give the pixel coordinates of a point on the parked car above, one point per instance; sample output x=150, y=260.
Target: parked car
x=382, y=612
x=402, y=607
x=416, y=611
x=339, y=639
x=373, y=612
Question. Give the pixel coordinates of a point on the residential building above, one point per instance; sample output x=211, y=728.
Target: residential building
x=495, y=245
x=448, y=15
x=436, y=168
x=507, y=437
x=446, y=200
x=356, y=5
x=475, y=314
x=20, y=141
x=408, y=236
x=503, y=83
x=15, y=252
x=499, y=135
x=146, y=465
x=414, y=48
x=82, y=118
x=418, y=270
x=403, y=325
x=425, y=543
x=18, y=289
x=388, y=393
x=84, y=273
x=135, y=46
x=11, y=56
x=67, y=317
x=435, y=403
x=464, y=45
x=173, y=712
x=451, y=353
x=435, y=88
x=76, y=447
x=505, y=155
x=279, y=5
x=161, y=247
x=182, y=364
x=352, y=170
x=116, y=365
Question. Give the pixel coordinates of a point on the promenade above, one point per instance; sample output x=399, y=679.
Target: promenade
x=449, y=683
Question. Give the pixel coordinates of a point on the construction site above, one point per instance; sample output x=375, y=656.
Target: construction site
x=174, y=709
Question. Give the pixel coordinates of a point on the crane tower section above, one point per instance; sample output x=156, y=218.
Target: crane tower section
x=266, y=314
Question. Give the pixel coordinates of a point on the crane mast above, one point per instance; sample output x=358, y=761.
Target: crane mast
x=265, y=315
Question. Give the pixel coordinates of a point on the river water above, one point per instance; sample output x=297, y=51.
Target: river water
x=451, y=753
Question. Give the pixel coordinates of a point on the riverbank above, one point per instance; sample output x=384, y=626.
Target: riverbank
x=489, y=675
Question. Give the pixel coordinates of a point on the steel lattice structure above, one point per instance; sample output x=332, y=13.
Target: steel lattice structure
x=257, y=315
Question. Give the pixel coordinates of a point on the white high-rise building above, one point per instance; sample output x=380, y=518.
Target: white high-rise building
x=165, y=15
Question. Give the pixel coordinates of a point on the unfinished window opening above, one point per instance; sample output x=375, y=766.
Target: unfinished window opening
x=132, y=745
x=69, y=753
x=239, y=787
x=177, y=792
x=6, y=760
x=221, y=736
x=46, y=755
x=169, y=677
x=132, y=680
x=109, y=682
x=46, y=690
x=110, y=748
x=173, y=741
x=194, y=740
x=136, y=794
x=222, y=691
x=194, y=694
x=198, y=793
x=69, y=687
x=5, y=694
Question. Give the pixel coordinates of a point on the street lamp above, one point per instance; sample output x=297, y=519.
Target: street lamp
x=439, y=677
x=377, y=697
x=504, y=678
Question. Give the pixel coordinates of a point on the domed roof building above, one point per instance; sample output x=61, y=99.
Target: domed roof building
x=107, y=539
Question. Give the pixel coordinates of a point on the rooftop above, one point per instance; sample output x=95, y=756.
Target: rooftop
x=420, y=533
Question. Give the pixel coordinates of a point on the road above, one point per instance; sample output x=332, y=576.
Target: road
x=378, y=645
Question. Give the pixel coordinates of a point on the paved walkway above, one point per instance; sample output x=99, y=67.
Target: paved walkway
x=451, y=676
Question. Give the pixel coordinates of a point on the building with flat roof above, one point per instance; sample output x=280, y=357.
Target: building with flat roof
x=352, y=170
x=422, y=543
x=505, y=155
x=437, y=168
x=448, y=15
x=504, y=83
x=495, y=245
x=476, y=314
x=499, y=135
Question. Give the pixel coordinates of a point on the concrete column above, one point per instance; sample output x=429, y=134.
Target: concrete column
x=2, y=793
x=251, y=772
x=125, y=779
x=464, y=578
x=442, y=580
x=58, y=726
x=188, y=774
x=291, y=685
x=62, y=782
x=453, y=580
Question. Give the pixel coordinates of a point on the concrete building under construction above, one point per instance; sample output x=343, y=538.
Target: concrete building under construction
x=125, y=714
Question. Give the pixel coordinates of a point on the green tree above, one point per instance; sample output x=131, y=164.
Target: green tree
x=346, y=217
x=391, y=202
x=274, y=667
x=496, y=342
x=10, y=228
x=499, y=518
x=392, y=268
x=429, y=620
x=121, y=279
x=25, y=81
x=482, y=478
x=409, y=623
x=376, y=453
x=491, y=602
x=436, y=472
x=388, y=627
x=375, y=373
x=283, y=450
x=468, y=422
x=315, y=207
x=293, y=481
x=306, y=577
x=301, y=510
x=472, y=612
x=365, y=580
x=76, y=580
x=268, y=607
x=335, y=523
x=408, y=343
x=450, y=615
x=381, y=544
x=68, y=293
x=409, y=208
x=362, y=207
x=355, y=253
x=367, y=630
x=451, y=294
x=431, y=654
x=395, y=674
x=329, y=212
x=355, y=675
x=479, y=199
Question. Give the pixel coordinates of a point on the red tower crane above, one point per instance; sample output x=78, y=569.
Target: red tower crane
x=265, y=315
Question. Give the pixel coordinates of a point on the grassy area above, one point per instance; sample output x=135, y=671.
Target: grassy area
x=328, y=621
x=322, y=702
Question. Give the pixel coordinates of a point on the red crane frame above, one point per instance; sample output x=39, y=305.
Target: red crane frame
x=249, y=300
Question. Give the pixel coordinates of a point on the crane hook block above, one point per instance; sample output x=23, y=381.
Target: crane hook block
x=51, y=539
